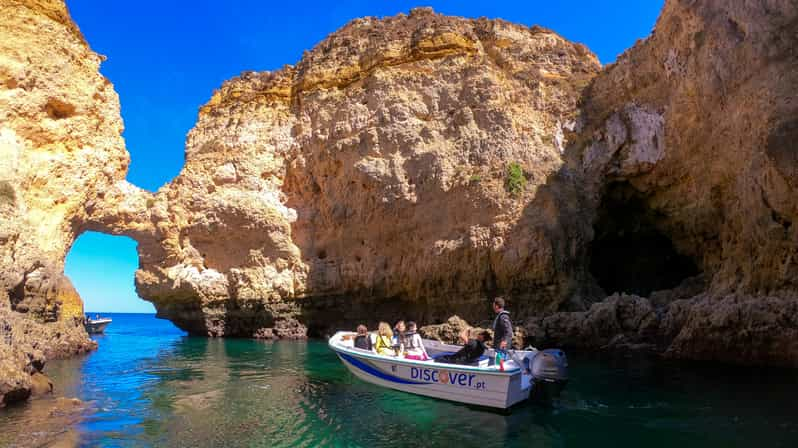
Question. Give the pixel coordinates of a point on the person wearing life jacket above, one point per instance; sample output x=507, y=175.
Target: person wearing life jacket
x=413, y=345
x=384, y=344
x=502, y=327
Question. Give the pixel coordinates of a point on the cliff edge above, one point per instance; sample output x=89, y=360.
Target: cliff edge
x=60, y=146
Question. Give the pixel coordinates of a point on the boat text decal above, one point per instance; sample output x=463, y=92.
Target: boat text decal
x=446, y=377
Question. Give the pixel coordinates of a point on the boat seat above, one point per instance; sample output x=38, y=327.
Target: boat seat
x=482, y=361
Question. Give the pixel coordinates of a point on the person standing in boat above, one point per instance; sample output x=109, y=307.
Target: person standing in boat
x=502, y=327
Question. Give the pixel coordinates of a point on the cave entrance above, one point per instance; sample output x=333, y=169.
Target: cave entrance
x=102, y=268
x=629, y=254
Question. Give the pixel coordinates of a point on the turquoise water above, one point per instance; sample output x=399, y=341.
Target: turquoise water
x=151, y=385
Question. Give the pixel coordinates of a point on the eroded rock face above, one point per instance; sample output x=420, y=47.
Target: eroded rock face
x=60, y=147
x=26, y=344
x=370, y=177
x=371, y=181
x=693, y=119
x=692, y=124
x=60, y=139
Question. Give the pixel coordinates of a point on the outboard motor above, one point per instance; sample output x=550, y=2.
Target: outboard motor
x=549, y=370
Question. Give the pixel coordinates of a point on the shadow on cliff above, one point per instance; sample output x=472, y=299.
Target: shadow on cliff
x=549, y=244
x=576, y=242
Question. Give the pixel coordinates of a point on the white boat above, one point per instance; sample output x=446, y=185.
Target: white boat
x=481, y=385
x=95, y=326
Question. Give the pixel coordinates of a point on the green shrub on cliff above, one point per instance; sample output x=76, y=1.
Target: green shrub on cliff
x=515, y=181
x=7, y=194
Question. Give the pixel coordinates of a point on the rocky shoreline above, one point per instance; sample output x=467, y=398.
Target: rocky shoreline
x=25, y=347
x=422, y=164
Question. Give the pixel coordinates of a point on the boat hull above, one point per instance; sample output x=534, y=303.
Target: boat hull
x=464, y=384
x=97, y=327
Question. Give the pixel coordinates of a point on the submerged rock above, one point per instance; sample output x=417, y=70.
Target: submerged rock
x=15, y=382
x=40, y=385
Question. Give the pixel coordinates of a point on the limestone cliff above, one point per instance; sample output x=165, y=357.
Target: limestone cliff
x=420, y=164
x=687, y=154
x=60, y=146
x=371, y=180
x=372, y=175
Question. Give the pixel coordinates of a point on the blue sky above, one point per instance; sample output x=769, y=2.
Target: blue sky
x=166, y=57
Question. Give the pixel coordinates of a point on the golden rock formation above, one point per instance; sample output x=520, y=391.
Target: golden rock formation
x=60, y=147
x=372, y=171
x=416, y=165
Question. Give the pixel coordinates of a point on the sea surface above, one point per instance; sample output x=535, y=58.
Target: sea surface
x=149, y=384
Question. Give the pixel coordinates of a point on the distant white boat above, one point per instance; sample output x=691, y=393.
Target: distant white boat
x=543, y=372
x=95, y=326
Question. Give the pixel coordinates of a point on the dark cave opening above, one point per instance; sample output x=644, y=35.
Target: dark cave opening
x=629, y=254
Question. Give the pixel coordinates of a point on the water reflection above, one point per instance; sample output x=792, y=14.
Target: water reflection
x=150, y=385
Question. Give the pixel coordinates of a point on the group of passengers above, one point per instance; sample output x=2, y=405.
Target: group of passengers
x=404, y=341
x=401, y=341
